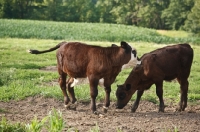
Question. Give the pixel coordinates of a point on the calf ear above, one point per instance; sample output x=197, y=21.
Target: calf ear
x=114, y=45
x=128, y=87
x=123, y=44
x=134, y=52
x=119, y=87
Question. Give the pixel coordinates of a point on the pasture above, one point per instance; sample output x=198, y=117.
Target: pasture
x=28, y=90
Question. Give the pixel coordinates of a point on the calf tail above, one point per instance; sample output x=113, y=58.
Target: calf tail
x=45, y=51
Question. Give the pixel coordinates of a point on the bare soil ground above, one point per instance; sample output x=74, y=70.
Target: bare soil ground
x=145, y=119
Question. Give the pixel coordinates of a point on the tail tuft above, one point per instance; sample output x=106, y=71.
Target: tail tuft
x=33, y=51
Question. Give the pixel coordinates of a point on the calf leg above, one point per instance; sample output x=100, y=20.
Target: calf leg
x=136, y=103
x=107, y=99
x=71, y=90
x=184, y=92
x=93, y=92
x=62, y=82
x=159, y=92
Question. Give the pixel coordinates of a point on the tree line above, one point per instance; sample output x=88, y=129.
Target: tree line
x=157, y=14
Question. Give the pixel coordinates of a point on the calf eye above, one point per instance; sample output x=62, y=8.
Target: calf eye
x=122, y=96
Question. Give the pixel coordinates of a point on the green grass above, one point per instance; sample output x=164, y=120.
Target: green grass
x=86, y=31
x=21, y=77
x=6, y=126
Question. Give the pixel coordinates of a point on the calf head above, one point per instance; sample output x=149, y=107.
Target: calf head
x=133, y=82
x=127, y=47
x=124, y=92
x=134, y=59
x=123, y=95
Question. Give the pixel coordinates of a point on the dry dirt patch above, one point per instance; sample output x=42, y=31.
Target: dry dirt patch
x=146, y=118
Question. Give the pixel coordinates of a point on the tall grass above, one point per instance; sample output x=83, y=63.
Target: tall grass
x=6, y=126
x=85, y=31
x=53, y=122
x=36, y=125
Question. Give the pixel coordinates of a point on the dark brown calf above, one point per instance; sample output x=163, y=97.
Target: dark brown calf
x=78, y=60
x=166, y=63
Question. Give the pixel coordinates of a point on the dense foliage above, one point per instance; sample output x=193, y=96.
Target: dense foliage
x=193, y=20
x=158, y=14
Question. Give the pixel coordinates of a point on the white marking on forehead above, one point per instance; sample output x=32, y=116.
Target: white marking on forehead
x=133, y=57
x=132, y=61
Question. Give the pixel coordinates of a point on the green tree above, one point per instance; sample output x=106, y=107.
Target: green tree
x=77, y=10
x=192, y=23
x=87, y=11
x=6, y=9
x=16, y=8
x=124, y=11
x=139, y=12
x=53, y=10
x=104, y=8
x=150, y=14
x=176, y=14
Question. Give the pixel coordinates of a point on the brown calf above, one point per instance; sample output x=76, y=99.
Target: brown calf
x=78, y=60
x=166, y=63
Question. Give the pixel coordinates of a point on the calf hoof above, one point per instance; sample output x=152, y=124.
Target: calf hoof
x=179, y=109
x=105, y=109
x=71, y=106
x=96, y=112
x=161, y=109
x=67, y=106
x=74, y=101
x=66, y=103
x=133, y=110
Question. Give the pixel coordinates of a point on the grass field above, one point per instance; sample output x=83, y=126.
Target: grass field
x=21, y=77
x=20, y=74
x=89, y=32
